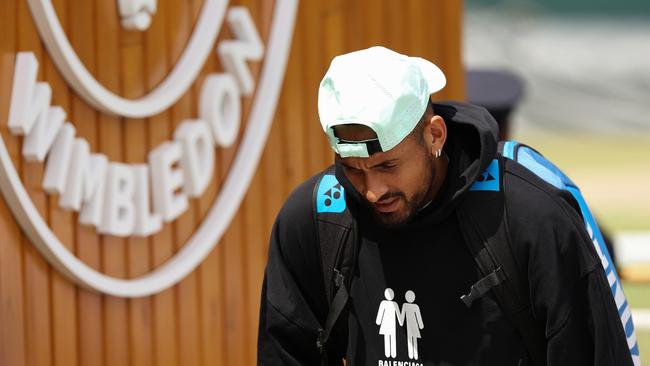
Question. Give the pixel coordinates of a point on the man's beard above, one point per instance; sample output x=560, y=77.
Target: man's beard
x=413, y=204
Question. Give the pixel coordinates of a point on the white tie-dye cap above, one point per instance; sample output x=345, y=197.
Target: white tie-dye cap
x=378, y=88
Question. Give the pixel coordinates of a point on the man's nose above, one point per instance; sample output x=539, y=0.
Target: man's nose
x=375, y=189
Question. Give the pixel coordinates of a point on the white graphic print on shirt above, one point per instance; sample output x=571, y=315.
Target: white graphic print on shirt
x=389, y=312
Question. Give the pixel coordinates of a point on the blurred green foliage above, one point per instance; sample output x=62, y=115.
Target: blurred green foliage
x=612, y=171
x=644, y=346
x=638, y=296
x=635, y=8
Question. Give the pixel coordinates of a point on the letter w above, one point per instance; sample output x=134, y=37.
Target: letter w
x=29, y=99
x=30, y=112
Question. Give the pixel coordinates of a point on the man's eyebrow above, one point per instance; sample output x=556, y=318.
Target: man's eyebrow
x=387, y=162
x=391, y=161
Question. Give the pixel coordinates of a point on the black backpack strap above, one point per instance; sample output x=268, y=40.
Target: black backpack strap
x=337, y=242
x=483, y=223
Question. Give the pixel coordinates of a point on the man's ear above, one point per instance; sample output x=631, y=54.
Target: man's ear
x=435, y=134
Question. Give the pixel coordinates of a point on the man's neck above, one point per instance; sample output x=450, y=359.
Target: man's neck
x=441, y=165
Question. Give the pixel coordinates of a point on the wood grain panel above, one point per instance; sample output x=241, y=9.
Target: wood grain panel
x=248, y=232
x=211, y=273
x=111, y=142
x=63, y=293
x=434, y=49
x=272, y=161
x=275, y=154
x=230, y=259
x=211, y=284
x=255, y=254
x=256, y=233
x=164, y=307
x=211, y=316
x=135, y=152
x=395, y=20
x=186, y=291
x=90, y=330
x=414, y=11
x=12, y=312
x=293, y=122
x=38, y=340
x=374, y=29
x=335, y=28
x=452, y=18
x=309, y=28
x=234, y=313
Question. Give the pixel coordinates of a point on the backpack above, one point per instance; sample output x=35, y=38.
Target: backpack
x=487, y=240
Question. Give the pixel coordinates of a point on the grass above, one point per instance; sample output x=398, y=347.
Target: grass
x=644, y=346
x=613, y=173
x=638, y=296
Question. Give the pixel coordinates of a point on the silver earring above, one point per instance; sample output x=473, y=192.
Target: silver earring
x=438, y=153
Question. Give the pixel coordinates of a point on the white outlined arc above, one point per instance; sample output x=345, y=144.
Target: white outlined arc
x=207, y=236
x=198, y=48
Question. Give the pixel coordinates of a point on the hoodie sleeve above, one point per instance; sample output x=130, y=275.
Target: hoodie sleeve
x=293, y=301
x=569, y=292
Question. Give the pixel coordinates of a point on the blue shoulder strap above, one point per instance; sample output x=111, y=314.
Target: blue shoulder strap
x=546, y=170
x=482, y=221
x=337, y=239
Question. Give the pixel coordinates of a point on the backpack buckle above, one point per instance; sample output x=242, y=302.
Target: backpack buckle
x=320, y=341
x=338, y=278
x=482, y=286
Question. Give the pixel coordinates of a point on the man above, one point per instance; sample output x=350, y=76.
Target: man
x=405, y=165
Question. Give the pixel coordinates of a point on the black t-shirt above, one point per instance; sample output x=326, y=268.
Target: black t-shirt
x=407, y=290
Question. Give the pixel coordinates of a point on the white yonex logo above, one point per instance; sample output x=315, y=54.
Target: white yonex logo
x=389, y=314
x=113, y=196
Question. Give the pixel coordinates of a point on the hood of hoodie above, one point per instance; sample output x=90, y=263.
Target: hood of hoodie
x=471, y=145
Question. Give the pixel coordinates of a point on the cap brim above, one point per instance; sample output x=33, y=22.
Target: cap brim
x=432, y=73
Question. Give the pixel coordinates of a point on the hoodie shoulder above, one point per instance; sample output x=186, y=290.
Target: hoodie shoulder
x=294, y=243
x=541, y=217
x=295, y=229
x=298, y=206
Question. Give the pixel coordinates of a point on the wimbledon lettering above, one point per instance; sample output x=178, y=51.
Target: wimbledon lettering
x=94, y=182
x=114, y=197
x=197, y=159
x=73, y=193
x=58, y=161
x=146, y=222
x=167, y=180
x=119, y=209
x=40, y=139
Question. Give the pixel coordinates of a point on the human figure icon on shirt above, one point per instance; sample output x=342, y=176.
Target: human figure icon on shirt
x=386, y=316
x=411, y=315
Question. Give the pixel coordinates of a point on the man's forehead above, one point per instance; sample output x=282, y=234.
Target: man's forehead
x=354, y=132
x=369, y=162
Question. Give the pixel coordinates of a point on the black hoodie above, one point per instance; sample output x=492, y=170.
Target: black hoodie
x=405, y=306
